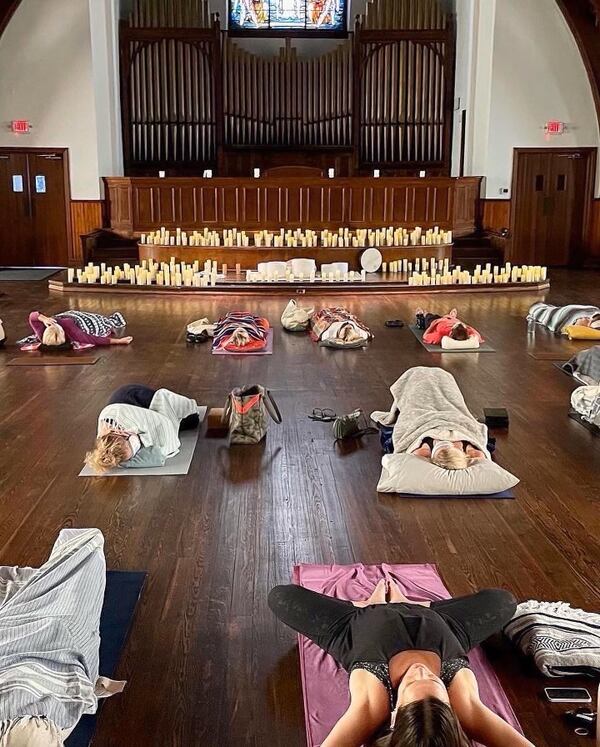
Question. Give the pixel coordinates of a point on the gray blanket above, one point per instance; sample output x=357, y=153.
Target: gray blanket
x=585, y=366
x=557, y=317
x=428, y=403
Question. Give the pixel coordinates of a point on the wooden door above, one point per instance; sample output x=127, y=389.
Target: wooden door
x=47, y=175
x=16, y=224
x=551, y=202
x=34, y=207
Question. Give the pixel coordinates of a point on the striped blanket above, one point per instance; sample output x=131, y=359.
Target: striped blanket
x=49, y=631
x=585, y=366
x=240, y=331
x=94, y=324
x=562, y=640
x=557, y=317
x=337, y=327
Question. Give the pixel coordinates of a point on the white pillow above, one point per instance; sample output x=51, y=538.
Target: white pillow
x=407, y=473
x=449, y=343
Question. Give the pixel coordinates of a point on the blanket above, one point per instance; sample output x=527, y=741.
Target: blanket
x=586, y=401
x=561, y=639
x=557, y=317
x=49, y=622
x=585, y=366
x=240, y=331
x=338, y=327
x=429, y=404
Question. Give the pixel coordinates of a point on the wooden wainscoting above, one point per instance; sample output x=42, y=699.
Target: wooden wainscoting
x=496, y=214
x=142, y=204
x=595, y=231
x=86, y=215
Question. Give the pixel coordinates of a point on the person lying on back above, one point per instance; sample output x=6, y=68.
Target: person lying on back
x=436, y=327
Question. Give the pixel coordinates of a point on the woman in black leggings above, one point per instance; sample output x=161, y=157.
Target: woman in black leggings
x=408, y=665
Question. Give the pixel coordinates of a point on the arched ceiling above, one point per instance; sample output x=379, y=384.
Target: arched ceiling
x=583, y=17
x=7, y=8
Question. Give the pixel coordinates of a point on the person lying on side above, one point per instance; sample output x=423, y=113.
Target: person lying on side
x=410, y=683
x=80, y=328
x=436, y=327
x=140, y=427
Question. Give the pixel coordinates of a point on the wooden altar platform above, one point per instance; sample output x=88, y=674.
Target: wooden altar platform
x=375, y=284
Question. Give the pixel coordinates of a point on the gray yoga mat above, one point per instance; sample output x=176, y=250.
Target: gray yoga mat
x=28, y=273
x=485, y=347
x=177, y=465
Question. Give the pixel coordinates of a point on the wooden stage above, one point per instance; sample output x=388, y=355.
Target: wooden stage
x=376, y=283
x=206, y=661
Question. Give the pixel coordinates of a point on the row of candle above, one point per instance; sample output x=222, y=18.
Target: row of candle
x=497, y=276
x=343, y=237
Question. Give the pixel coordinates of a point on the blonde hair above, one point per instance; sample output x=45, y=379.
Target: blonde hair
x=240, y=338
x=108, y=452
x=450, y=458
x=54, y=335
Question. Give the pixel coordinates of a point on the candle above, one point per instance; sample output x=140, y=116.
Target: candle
x=70, y=275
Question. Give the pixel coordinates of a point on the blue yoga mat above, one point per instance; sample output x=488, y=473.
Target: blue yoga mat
x=123, y=590
x=504, y=494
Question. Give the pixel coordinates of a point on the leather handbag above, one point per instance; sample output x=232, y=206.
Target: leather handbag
x=247, y=413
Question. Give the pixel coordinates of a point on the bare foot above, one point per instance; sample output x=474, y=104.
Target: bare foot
x=397, y=596
x=377, y=597
x=124, y=340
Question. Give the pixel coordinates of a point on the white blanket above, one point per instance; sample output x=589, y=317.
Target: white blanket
x=429, y=404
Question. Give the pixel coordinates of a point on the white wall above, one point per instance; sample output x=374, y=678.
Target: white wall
x=527, y=71
x=46, y=77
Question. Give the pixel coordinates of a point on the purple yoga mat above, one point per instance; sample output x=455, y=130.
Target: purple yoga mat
x=267, y=350
x=325, y=685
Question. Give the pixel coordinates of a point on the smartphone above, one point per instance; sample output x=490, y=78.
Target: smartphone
x=568, y=695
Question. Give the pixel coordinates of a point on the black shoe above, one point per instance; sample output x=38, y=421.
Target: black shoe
x=197, y=339
x=420, y=321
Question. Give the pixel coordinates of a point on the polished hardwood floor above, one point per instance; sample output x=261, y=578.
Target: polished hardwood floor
x=206, y=662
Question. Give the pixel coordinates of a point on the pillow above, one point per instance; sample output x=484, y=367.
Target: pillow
x=449, y=343
x=147, y=456
x=407, y=473
x=575, y=332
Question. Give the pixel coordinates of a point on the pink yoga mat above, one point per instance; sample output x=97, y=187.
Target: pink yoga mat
x=267, y=350
x=325, y=685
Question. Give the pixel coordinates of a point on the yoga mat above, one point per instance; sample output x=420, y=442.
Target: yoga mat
x=267, y=351
x=503, y=494
x=593, y=429
x=484, y=347
x=28, y=273
x=325, y=685
x=548, y=356
x=54, y=360
x=123, y=590
x=177, y=465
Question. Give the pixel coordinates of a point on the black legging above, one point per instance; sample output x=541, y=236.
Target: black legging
x=472, y=618
x=139, y=395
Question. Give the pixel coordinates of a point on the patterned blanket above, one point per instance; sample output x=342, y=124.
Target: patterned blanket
x=240, y=330
x=338, y=327
x=562, y=640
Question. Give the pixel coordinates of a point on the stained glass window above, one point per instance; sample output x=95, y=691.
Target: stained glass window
x=287, y=15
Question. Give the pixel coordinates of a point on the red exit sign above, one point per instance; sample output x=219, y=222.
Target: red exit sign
x=20, y=126
x=554, y=127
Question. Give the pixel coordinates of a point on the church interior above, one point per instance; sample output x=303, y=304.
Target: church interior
x=339, y=485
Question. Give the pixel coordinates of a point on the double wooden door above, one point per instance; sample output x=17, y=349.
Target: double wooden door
x=551, y=199
x=34, y=202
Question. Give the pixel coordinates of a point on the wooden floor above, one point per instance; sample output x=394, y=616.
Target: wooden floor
x=206, y=662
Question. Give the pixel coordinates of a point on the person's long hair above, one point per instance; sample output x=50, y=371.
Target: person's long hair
x=425, y=723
